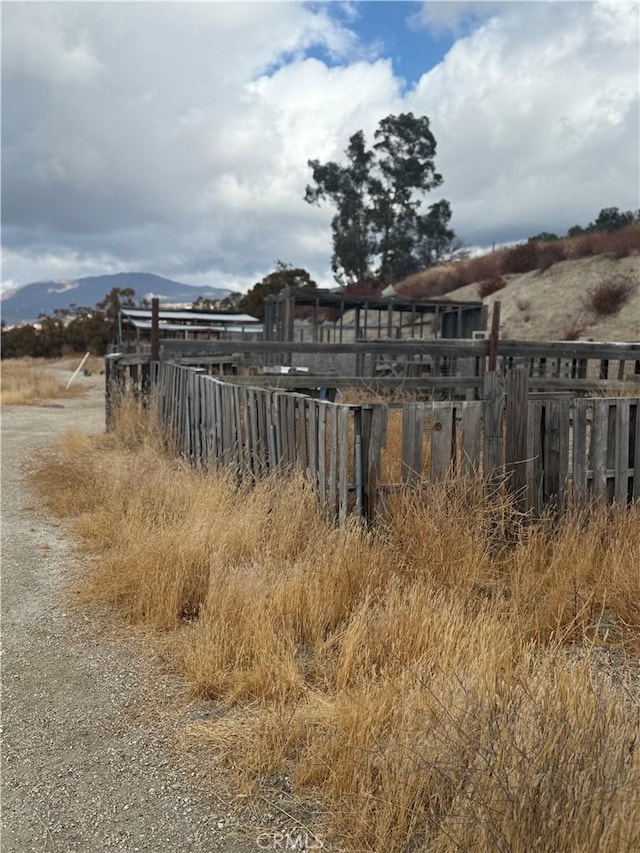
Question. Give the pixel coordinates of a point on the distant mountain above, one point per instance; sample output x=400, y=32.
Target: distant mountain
x=23, y=304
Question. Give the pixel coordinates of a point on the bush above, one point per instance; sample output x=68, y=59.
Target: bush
x=490, y=285
x=608, y=297
x=550, y=254
x=521, y=258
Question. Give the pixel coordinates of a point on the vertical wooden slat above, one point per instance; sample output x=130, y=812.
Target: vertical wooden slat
x=563, y=452
x=471, y=439
x=621, y=453
x=303, y=456
x=312, y=422
x=291, y=431
x=322, y=454
x=535, y=464
x=343, y=463
x=551, y=453
x=516, y=416
x=441, y=441
x=599, y=431
x=471, y=421
x=579, y=450
x=493, y=411
x=408, y=471
x=379, y=418
x=333, y=459
x=635, y=448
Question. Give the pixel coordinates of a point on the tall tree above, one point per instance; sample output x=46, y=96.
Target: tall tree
x=379, y=233
x=284, y=276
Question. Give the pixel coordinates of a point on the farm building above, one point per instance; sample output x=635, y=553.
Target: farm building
x=134, y=327
x=307, y=314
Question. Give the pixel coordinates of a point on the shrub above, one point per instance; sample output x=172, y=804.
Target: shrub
x=521, y=258
x=572, y=333
x=490, y=285
x=550, y=254
x=608, y=297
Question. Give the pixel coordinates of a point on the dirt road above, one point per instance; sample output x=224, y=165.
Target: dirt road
x=88, y=758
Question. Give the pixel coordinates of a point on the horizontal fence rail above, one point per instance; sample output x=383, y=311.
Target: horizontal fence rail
x=544, y=450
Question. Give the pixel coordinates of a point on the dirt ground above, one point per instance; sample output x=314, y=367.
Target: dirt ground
x=89, y=761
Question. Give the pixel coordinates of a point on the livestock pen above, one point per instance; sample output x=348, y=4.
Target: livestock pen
x=527, y=434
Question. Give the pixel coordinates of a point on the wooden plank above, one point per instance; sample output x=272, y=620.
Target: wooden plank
x=493, y=413
x=563, y=452
x=239, y=450
x=579, y=460
x=442, y=443
x=272, y=429
x=551, y=453
x=292, y=443
x=535, y=464
x=343, y=463
x=219, y=443
x=377, y=441
x=195, y=410
x=471, y=441
x=409, y=473
x=312, y=422
x=332, y=497
x=322, y=454
x=621, y=468
x=516, y=417
x=598, y=450
x=263, y=430
x=303, y=455
x=634, y=429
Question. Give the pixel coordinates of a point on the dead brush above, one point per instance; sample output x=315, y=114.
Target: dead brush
x=433, y=680
x=610, y=295
x=31, y=382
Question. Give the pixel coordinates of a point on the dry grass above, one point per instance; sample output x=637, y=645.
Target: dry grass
x=609, y=296
x=454, y=679
x=524, y=257
x=31, y=381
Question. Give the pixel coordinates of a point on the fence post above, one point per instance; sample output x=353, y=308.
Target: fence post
x=155, y=329
x=493, y=338
x=516, y=416
x=493, y=413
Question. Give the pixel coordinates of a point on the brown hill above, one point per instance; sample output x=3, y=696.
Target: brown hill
x=562, y=302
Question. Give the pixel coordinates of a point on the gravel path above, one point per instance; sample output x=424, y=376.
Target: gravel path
x=88, y=744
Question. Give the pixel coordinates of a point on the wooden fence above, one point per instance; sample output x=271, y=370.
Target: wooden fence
x=545, y=451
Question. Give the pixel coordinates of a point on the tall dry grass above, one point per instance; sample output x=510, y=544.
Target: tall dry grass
x=521, y=258
x=31, y=381
x=457, y=678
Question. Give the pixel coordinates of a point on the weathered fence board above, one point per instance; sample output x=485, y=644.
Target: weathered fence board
x=547, y=451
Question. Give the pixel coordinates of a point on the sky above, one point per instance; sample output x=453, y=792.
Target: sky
x=173, y=138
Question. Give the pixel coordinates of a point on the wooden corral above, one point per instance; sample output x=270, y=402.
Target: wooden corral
x=448, y=367
x=546, y=450
x=311, y=315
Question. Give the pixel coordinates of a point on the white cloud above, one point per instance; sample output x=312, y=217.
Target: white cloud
x=536, y=117
x=174, y=137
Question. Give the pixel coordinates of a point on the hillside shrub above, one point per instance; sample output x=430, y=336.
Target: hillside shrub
x=491, y=285
x=521, y=258
x=550, y=254
x=607, y=298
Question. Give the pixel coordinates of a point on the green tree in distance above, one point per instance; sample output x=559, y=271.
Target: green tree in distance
x=609, y=219
x=379, y=233
x=284, y=276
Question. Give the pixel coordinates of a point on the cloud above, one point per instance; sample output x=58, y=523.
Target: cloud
x=174, y=137
x=537, y=118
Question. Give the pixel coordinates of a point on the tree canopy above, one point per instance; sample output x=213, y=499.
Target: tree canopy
x=68, y=330
x=609, y=219
x=284, y=276
x=379, y=233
